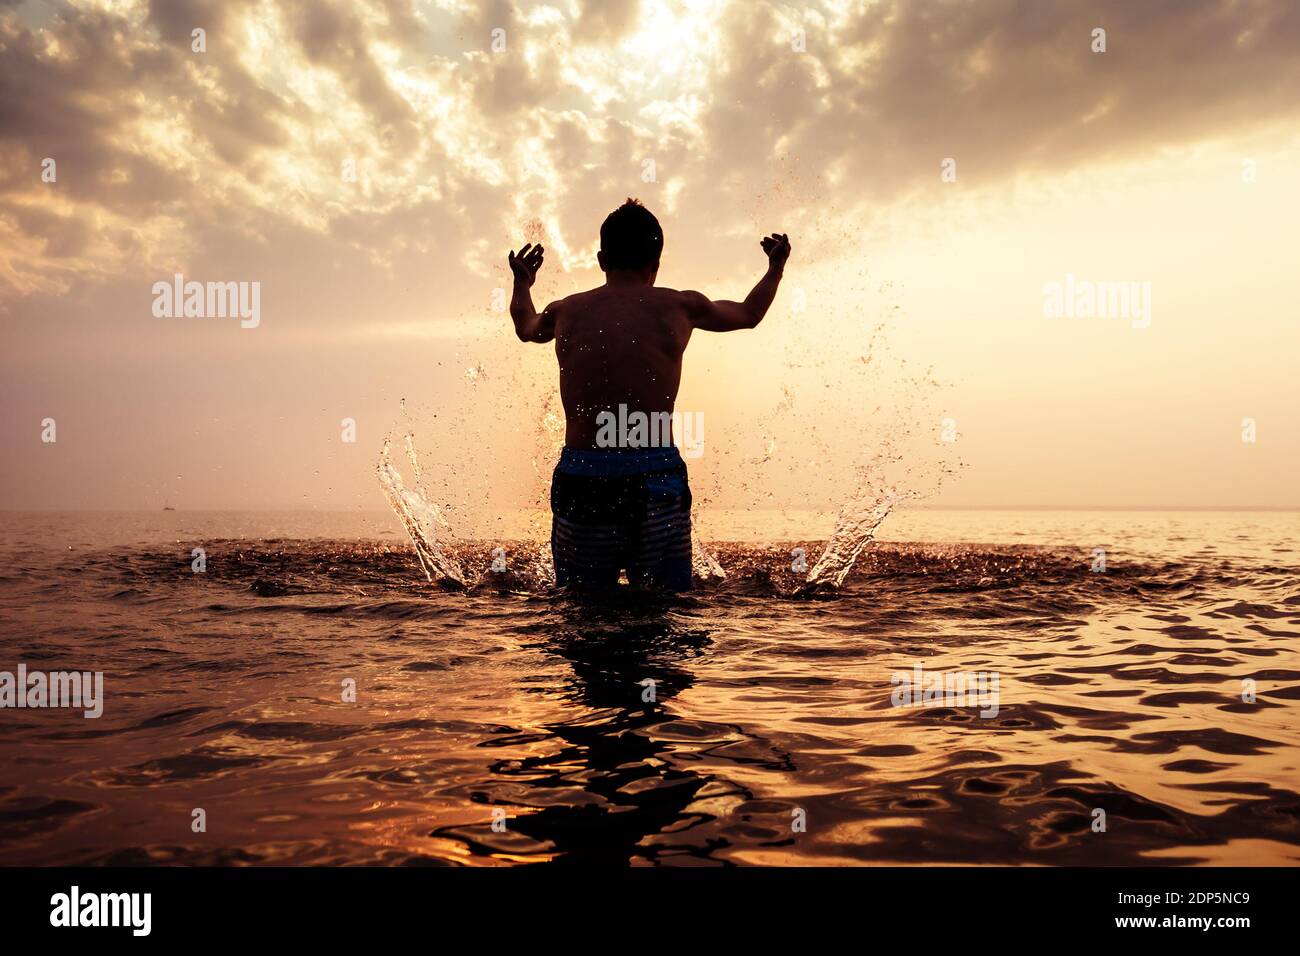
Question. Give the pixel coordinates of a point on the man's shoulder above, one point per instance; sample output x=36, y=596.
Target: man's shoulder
x=663, y=297
x=556, y=305
x=576, y=299
x=690, y=301
x=682, y=298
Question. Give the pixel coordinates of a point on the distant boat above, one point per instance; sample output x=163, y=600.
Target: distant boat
x=167, y=507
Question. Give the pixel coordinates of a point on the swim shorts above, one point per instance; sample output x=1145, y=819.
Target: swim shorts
x=621, y=510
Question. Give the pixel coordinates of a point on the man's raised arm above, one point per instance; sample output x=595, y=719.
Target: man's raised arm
x=529, y=326
x=727, y=316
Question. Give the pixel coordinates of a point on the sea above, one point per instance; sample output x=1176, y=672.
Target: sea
x=914, y=687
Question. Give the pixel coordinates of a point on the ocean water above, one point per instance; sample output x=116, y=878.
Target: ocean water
x=1145, y=713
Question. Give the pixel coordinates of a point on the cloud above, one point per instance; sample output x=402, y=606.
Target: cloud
x=603, y=21
x=1005, y=86
x=167, y=157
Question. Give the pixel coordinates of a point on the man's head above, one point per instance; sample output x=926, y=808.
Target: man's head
x=631, y=241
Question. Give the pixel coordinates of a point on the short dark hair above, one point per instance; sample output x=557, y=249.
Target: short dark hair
x=630, y=237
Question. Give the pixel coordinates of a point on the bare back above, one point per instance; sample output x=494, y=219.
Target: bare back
x=618, y=345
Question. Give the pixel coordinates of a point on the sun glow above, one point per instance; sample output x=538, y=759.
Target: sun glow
x=668, y=42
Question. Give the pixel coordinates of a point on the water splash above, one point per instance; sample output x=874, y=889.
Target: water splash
x=705, y=567
x=448, y=559
x=855, y=528
x=432, y=535
x=877, y=493
x=422, y=518
x=791, y=445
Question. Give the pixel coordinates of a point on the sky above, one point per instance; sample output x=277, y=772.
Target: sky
x=940, y=168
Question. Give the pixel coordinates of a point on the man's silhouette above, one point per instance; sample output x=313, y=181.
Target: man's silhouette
x=620, y=500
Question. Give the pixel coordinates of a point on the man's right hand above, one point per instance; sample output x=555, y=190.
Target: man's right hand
x=525, y=263
x=777, y=247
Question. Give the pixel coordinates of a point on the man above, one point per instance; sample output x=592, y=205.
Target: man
x=620, y=502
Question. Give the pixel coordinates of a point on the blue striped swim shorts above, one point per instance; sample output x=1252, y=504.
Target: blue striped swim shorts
x=615, y=510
